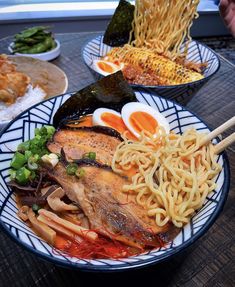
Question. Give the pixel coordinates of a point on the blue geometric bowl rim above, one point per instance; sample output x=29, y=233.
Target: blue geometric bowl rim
x=205, y=79
x=133, y=265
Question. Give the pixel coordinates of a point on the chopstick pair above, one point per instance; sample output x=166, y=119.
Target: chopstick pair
x=221, y=146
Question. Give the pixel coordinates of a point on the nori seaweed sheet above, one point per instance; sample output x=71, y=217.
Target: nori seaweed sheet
x=118, y=30
x=111, y=92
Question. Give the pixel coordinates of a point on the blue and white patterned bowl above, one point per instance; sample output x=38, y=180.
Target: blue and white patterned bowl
x=197, y=52
x=22, y=129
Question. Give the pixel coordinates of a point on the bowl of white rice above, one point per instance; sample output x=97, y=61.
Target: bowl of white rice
x=32, y=96
x=46, y=80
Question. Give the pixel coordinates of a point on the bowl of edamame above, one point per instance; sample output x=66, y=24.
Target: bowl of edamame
x=36, y=42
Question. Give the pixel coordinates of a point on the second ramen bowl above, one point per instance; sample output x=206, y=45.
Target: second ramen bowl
x=197, y=52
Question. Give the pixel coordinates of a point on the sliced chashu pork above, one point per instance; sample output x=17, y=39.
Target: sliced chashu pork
x=108, y=209
x=77, y=142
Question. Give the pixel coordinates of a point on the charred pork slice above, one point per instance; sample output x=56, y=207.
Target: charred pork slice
x=77, y=142
x=109, y=211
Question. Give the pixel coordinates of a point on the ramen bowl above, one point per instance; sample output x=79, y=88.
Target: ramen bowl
x=197, y=52
x=22, y=129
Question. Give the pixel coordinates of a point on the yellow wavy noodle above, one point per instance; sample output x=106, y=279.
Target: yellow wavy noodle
x=173, y=180
x=163, y=25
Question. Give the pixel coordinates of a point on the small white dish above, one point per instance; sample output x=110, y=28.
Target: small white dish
x=46, y=56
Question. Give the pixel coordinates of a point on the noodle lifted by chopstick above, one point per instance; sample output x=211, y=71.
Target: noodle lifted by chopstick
x=163, y=25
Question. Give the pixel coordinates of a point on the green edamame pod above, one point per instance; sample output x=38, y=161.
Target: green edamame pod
x=36, y=49
x=29, y=41
x=49, y=42
x=18, y=45
x=30, y=32
x=42, y=33
x=53, y=44
x=39, y=48
x=24, y=51
x=20, y=49
x=40, y=37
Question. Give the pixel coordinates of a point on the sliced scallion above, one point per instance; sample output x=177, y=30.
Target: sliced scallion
x=18, y=160
x=91, y=155
x=23, y=175
x=80, y=172
x=71, y=168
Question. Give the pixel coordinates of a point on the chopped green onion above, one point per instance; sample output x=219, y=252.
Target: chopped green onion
x=91, y=155
x=50, y=130
x=45, y=131
x=22, y=175
x=37, y=145
x=80, y=173
x=12, y=173
x=35, y=208
x=32, y=162
x=18, y=160
x=36, y=157
x=32, y=165
x=24, y=146
x=71, y=168
x=27, y=154
x=37, y=131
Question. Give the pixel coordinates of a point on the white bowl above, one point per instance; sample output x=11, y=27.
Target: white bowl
x=46, y=56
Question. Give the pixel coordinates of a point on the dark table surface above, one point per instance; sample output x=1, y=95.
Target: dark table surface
x=208, y=262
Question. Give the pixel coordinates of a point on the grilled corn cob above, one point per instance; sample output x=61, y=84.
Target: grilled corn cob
x=168, y=71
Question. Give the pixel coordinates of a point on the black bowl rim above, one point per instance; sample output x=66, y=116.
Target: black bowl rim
x=198, y=82
x=132, y=265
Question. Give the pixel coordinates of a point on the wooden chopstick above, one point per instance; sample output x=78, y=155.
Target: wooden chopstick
x=218, y=131
x=224, y=143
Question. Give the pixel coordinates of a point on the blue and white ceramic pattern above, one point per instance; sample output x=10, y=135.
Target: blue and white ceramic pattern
x=197, y=52
x=22, y=129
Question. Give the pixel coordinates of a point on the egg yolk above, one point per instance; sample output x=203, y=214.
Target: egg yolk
x=114, y=121
x=143, y=121
x=105, y=67
x=117, y=123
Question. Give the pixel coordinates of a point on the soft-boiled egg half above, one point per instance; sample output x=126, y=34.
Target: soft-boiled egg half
x=106, y=68
x=138, y=117
x=134, y=118
x=109, y=118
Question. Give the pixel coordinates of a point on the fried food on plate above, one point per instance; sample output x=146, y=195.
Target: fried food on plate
x=13, y=84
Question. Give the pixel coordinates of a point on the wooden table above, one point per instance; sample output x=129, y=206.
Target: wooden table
x=208, y=262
